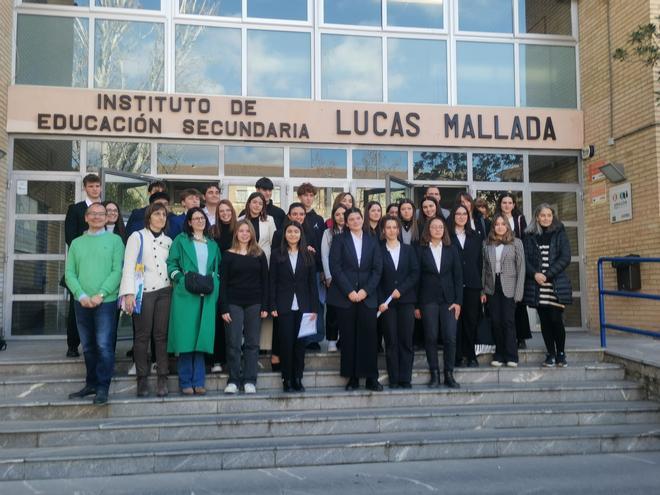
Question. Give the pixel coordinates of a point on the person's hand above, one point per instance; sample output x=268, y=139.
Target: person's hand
x=97, y=300
x=264, y=314
x=311, y=249
x=86, y=302
x=540, y=278
x=312, y=317
x=129, y=303
x=383, y=307
x=273, y=314
x=226, y=317
x=457, y=310
x=362, y=295
x=353, y=296
x=418, y=314
x=327, y=281
x=484, y=298
x=396, y=294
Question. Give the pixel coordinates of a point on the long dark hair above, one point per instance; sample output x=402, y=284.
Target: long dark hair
x=495, y=239
x=515, y=212
x=302, y=243
x=263, y=216
x=367, y=223
x=216, y=230
x=120, y=228
x=187, y=228
x=426, y=235
x=452, y=220
x=413, y=226
x=335, y=228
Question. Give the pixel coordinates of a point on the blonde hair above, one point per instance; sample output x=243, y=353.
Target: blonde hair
x=508, y=236
x=253, y=248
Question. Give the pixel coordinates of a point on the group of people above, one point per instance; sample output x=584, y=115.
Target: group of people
x=214, y=286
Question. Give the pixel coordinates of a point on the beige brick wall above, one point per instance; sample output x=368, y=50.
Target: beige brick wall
x=633, y=116
x=5, y=76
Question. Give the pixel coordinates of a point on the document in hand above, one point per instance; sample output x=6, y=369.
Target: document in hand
x=307, y=326
x=387, y=301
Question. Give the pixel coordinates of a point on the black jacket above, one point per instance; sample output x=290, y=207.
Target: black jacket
x=347, y=276
x=284, y=283
x=277, y=213
x=445, y=286
x=74, y=222
x=314, y=227
x=471, y=258
x=404, y=278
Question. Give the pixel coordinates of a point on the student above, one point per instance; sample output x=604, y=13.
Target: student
x=265, y=187
x=392, y=210
x=434, y=192
x=331, y=323
x=114, y=222
x=136, y=219
x=428, y=209
x=190, y=198
x=482, y=207
x=262, y=223
x=293, y=292
x=211, y=201
x=373, y=212
x=478, y=223
x=409, y=224
x=345, y=199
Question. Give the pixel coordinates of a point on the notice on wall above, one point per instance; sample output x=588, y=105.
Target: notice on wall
x=595, y=174
x=21, y=187
x=620, y=203
x=598, y=193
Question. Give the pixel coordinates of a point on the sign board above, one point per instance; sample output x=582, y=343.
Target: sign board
x=21, y=187
x=598, y=193
x=594, y=171
x=620, y=203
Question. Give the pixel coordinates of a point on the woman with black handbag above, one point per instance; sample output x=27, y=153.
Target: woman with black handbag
x=193, y=268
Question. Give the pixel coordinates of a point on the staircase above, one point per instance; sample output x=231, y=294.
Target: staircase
x=586, y=408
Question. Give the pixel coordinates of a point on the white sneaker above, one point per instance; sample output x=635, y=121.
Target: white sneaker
x=132, y=371
x=496, y=364
x=250, y=388
x=231, y=388
x=154, y=368
x=217, y=368
x=512, y=364
x=332, y=346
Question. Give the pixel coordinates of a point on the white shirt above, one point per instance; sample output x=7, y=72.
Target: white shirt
x=436, y=251
x=395, y=253
x=461, y=238
x=110, y=227
x=357, y=242
x=498, y=258
x=293, y=259
x=209, y=216
x=472, y=224
x=89, y=202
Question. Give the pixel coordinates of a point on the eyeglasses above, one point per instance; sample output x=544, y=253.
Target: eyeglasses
x=97, y=214
x=198, y=219
x=461, y=214
x=116, y=212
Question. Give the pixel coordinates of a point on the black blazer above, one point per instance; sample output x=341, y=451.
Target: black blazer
x=284, y=283
x=347, y=276
x=74, y=222
x=520, y=225
x=471, y=258
x=404, y=278
x=445, y=286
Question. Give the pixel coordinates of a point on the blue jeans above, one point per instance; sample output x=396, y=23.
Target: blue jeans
x=191, y=368
x=97, y=328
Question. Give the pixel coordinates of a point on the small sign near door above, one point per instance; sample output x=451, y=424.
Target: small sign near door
x=21, y=187
x=620, y=203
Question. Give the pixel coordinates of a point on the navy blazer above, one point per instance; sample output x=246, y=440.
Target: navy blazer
x=445, y=286
x=74, y=222
x=471, y=258
x=284, y=283
x=347, y=276
x=404, y=278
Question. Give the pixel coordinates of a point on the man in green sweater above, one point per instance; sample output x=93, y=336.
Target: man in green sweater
x=93, y=273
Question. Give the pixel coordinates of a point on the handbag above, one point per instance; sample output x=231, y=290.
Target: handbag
x=196, y=283
x=485, y=343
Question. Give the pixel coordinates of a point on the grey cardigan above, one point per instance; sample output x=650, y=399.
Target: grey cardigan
x=512, y=274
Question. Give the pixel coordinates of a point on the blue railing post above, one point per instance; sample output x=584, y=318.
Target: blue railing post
x=601, y=304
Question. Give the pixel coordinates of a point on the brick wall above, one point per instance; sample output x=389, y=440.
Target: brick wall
x=5, y=76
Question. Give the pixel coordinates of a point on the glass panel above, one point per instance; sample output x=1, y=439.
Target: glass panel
x=365, y=194
x=573, y=313
x=39, y=317
x=416, y=13
x=544, y=16
x=46, y=198
x=226, y=8
x=254, y=161
x=46, y=154
x=503, y=167
x=130, y=4
x=294, y=10
x=547, y=76
x=372, y=164
x=129, y=194
x=562, y=169
x=436, y=165
x=572, y=234
x=70, y=3
x=52, y=51
x=39, y=237
x=208, y=60
x=188, y=159
x=416, y=70
x=492, y=198
x=128, y=55
x=127, y=157
x=360, y=12
x=351, y=68
x=476, y=59
x=238, y=195
x=323, y=162
x=38, y=277
x=573, y=272
x=323, y=200
x=564, y=203
x=493, y=16
x=279, y=64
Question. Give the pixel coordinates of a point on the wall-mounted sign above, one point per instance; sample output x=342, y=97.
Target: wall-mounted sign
x=156, y=115
x=620, y=203
x=594, y=171
x=598, y=193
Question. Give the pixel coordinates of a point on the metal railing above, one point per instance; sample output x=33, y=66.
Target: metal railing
x=602, y=292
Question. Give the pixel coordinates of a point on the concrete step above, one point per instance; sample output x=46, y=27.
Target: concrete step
x=126, y=404
x=34, y=387
x=188, y=456
x=65, y=433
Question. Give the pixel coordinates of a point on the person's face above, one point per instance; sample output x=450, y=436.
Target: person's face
x=191, y=201
x=157, y=220
x=461, y=217
x=268, y=193
x=297, y=215
x=391, y=231
x=437, y=230
x=212, y=196
x=307, y=199
x=292, y=235
x=96, y=217
x=339, y=217
x=355, y=222
x=243, y=234
x=256, y=206
x=500, y=226
x=375, y=213
x=198, y=222
x=224, y=212
x=347, y=201
x=406, y=211
x=156, y=189
x=483, y=210
x=112, y=214
x=466, y=203
x=93, y=190
x=393, y=211
x=544, y=217
x=433, y=192
x=506, y=205
x=429, y=209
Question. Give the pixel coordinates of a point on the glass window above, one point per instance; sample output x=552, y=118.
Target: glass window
x=493, y=199
x=45, y=198
x=564, y=204
x=485, y=73
x=77, y=3
x=492, y=16
x=224, y=8
x=544, y=16
x=189, y=159
x=573, y=272
x=416, y=13
x=38, y=277
x=128, y=55
x=547, y=76
x=52, y=51
x=416, y=70
x=130, y=4
x=323, y=200
x=46, y=154
x=239, y=193
x=39, y=317
x=491, y=167
x=254, y=161
x=562, y=169
x=129, y=194
x=294, y=10
x=39, y=237
x=437, y=165
x=279, y=64
x=127, y=157
x=208, y=60
x=373, y=164
x=321, y=162
x=359, y=12
x=351, y=68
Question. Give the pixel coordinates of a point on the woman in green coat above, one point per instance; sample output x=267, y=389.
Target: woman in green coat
x=192, y=316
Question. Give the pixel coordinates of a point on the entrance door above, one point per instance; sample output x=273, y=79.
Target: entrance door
x=128, y=190
x=447, y=194
x=396, y=189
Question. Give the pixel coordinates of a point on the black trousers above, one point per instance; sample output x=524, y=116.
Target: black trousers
x=275, y=338
x=398, y=323
x=152, y=322
x=436, y=315
x=331, y=323
x=220, y=342
x=466, y=335
x=359, y=352
x=291, y=348
x=503, y=316
x=523, y=330
x=552, y=328
x=72, y=337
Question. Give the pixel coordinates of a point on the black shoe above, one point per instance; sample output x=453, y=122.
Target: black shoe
x=522, y=344
x=473, y=363
x=433, y=381
x=297, y=385
x=405, y=385
x=142, y=386
x=561, y=360
x=393, y=385
x=353, y=383
x=101, y=397
x=314, y=346
x=286, y=386
x=83, y=392
x=72, y=353
x=549, y=361
x=129, y=353
x=449, y=380
x=374, y=385
x=460, y=363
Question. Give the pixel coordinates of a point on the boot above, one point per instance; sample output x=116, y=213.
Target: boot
x=142, y=386
x=286, y=386
x=298, y=385
x=433, y=381
x=161, y=387
x=449, y=380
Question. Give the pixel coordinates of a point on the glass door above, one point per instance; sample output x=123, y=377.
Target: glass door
x=128, y=190
x=396, y=189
